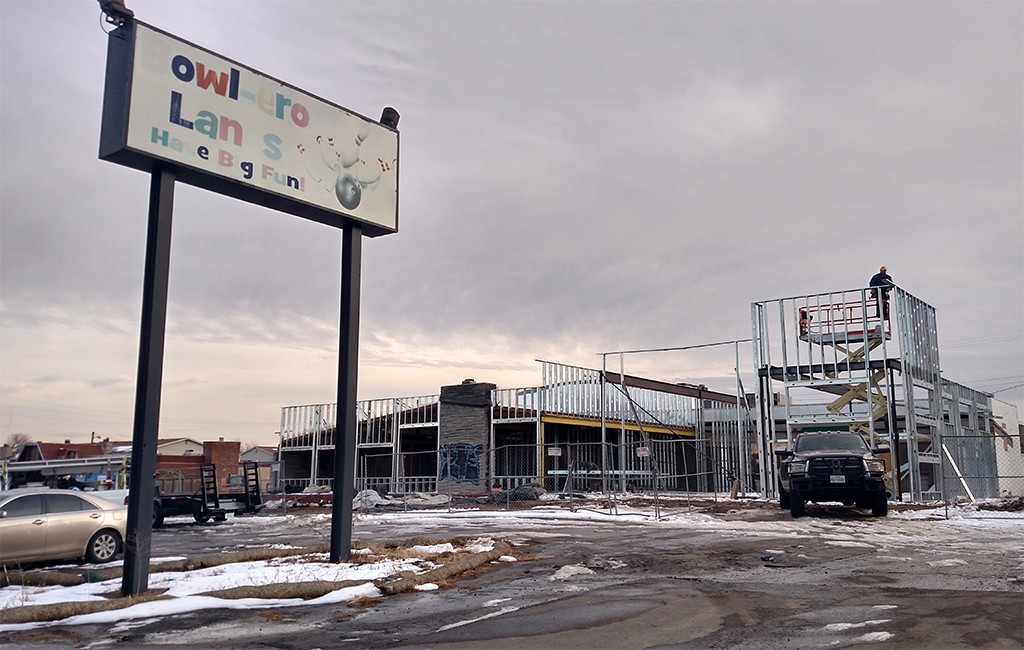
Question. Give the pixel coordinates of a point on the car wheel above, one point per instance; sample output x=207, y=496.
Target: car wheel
x=103, y=547
x=797, y=506
x=783, y=499
x=880, y=506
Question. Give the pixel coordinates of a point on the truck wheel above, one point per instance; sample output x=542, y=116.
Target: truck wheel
x=202, y=518
x=880, y=506
x=103, y=547
x=221, y=517
x=158, y=516
x=797, y=506
x=783, y=499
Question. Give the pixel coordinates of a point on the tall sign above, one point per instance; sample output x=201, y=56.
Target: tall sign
x=181, y=112
x=236, y=131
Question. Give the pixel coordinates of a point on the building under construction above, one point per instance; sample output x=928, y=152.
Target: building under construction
x=843, y=360
x=580, y=428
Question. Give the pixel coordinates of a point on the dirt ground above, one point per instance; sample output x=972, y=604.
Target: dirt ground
x=705, y=575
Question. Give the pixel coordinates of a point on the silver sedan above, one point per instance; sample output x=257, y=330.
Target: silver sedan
x=41, y=525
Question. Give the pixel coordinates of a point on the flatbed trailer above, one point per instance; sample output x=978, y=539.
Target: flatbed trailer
x=208, y=501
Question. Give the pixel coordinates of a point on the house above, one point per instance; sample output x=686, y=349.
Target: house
x=64, y=464
x=164, y=447
x=105, y=464
x=60, y=450
x=1009, y=448
x=266, y=458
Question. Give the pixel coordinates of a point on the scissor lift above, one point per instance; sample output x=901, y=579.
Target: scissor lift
x=877, y=362
x=854, y=336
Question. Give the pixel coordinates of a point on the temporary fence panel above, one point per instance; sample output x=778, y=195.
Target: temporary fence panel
x=982, y=466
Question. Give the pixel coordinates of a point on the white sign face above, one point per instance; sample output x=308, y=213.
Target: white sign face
x=643, y=452
x=198, y=110
x=554, y=451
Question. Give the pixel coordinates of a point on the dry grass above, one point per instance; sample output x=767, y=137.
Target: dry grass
x=64, y=579
x=444, y=573
x=60, y=611
x=441, y=568
x=302, y=590
x=1009, y=504
x=364, y=602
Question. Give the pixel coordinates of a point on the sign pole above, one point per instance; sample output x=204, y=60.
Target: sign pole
x=345, y=425
x=137, y=547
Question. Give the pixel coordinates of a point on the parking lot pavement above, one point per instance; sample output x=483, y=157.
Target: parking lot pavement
x=739, y=575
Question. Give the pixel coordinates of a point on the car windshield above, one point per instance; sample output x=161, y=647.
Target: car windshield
x=843, y=441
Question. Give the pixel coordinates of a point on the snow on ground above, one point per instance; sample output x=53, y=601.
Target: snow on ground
x=913, y=529
x=183, y=588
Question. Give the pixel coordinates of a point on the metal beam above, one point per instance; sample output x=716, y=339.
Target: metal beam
x=67, y=465
x=688, y=390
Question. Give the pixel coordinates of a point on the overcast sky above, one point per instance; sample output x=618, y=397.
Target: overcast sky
x=576, y=178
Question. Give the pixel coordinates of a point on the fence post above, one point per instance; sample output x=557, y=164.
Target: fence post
x=448, y=479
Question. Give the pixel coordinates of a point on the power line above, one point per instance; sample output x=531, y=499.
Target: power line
x=992, y=338
x=47, y=411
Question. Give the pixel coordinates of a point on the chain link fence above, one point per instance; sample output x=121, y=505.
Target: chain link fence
x=525, y=475
x=973, y=468
x=982, y=467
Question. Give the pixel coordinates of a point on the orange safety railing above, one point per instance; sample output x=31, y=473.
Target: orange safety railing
x=846, y=318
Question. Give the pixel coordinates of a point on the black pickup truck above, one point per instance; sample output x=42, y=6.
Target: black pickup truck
x=832, y=466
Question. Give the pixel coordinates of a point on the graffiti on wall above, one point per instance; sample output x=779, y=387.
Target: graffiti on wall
x=459, y=462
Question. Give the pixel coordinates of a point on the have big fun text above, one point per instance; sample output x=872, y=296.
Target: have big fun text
x=222, y=127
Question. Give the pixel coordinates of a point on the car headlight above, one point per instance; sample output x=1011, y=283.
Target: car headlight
x=874, y=465
x=798, y=467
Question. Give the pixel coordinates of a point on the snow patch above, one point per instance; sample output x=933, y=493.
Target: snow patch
x=849, y=544
x=839, y=627
x=874, y=636
x=569, y=571
x=946, y=563
x=500, y=612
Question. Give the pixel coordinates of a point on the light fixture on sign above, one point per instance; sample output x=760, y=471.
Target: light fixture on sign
x=115, y=12
x=390, y=117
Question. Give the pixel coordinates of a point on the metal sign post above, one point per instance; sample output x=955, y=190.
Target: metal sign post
x=145, y=434
x=345, y=431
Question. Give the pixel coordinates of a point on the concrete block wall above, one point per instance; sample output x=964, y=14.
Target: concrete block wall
x=464, y=428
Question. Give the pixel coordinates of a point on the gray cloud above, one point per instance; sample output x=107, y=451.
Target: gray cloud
x=576, y=178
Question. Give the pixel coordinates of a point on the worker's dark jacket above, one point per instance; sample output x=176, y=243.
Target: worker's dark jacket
x=882, y=280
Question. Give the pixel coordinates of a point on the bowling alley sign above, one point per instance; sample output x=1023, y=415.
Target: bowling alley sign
x=232, y=130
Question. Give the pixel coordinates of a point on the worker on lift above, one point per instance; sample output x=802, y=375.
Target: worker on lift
x=882, y=282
